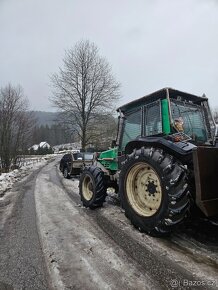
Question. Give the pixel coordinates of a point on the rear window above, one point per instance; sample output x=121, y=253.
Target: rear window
x=77, y=156
x=88, y=156
x=83, y=156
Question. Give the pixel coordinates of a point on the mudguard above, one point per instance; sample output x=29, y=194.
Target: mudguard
x=182, y=150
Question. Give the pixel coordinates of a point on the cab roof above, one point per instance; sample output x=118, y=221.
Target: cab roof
x=161, y=94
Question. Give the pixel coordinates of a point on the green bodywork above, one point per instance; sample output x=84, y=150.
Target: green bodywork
x=109, y=159
x=165, y=116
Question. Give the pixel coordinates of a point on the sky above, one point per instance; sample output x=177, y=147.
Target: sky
x=150, y=44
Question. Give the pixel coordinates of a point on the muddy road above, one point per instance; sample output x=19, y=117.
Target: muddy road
x=78, y=248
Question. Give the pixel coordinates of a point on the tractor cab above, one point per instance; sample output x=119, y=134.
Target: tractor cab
x=167, y=112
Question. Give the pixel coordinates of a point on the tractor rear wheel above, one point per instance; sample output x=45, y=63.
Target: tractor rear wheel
x=154, y=191
x=92, y=187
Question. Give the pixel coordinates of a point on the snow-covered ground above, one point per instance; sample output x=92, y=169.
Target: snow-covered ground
x=8, y=196
x=8, y=179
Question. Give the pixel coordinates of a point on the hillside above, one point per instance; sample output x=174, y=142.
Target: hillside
x=45, y=118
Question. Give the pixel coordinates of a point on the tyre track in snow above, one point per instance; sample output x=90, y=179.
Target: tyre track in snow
x=79, y=254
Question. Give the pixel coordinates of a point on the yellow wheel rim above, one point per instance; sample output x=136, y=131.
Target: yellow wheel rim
x=87, y=188
x=143, y=189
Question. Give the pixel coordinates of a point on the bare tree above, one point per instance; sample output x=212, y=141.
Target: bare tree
x=15, y=124
x=103, y=131
x=83, y=87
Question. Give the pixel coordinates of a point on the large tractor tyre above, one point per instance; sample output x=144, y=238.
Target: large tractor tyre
x=154, y=191
x=66, y=173
x=92, y=187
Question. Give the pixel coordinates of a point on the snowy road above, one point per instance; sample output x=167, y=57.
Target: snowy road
x=22, y=263
x=98, y=249
x=79, y=254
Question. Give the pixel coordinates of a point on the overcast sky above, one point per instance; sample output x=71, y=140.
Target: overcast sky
x=150, y=44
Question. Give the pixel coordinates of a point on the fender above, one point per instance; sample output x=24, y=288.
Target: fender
x=182, y=150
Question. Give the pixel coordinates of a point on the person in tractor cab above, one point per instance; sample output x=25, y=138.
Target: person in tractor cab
x=178, y=123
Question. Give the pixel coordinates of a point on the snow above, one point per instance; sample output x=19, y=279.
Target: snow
x=44, y=144
x=8, y=179
x=35, y=147
x=9, y=195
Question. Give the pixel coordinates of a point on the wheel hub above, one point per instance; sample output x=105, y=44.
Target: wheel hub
x=143, y=188
x=151, y=188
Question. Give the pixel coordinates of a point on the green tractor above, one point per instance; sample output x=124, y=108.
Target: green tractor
x=164, y=162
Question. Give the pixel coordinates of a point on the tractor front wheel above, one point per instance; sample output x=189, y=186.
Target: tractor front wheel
x=92, y=187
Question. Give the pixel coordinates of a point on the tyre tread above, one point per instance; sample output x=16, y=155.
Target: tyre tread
x=100, y=188
x=175, y=177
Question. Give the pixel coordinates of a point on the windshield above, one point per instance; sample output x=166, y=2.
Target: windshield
x=191, y=118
